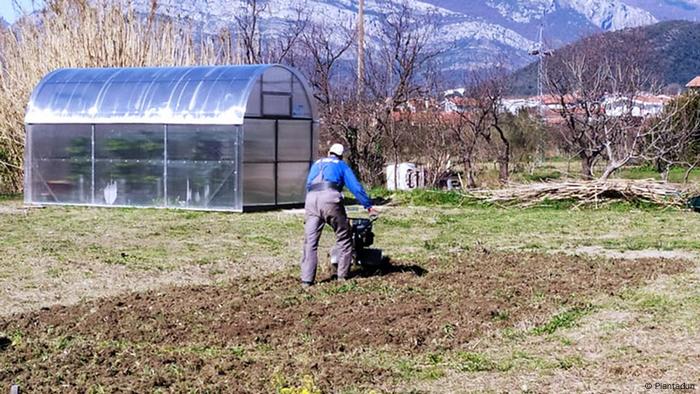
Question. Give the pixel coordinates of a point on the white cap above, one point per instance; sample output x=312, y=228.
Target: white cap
x=337, y=149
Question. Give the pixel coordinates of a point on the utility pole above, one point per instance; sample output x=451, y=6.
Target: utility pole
x=540, y=68
x=360, y=48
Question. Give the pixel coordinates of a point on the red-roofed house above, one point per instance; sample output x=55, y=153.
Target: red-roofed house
x=694, y=85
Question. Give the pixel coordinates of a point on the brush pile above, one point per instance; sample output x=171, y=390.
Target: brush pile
x=586, y=193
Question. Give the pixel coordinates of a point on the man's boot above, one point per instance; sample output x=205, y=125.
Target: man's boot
x=333, y=263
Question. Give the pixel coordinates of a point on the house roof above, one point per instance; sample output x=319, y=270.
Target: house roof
x=695, y=83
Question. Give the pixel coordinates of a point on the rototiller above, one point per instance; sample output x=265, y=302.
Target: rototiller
x=362, y=239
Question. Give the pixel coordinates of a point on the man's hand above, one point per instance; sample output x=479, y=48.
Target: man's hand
x=373, y=213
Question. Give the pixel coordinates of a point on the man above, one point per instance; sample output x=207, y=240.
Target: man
x=324, y=205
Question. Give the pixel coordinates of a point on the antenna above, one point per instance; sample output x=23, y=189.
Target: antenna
x=541, y=53
x=540, y=66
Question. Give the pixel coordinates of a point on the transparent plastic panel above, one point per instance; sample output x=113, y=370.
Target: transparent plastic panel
x=129, y=183
x=278, y=80
x=203, y=185
x=66, y=75
x=62, y=142
x=294, y=139
x=156, y=101
x=60, y=160
x=82, y=99
x=48, y=96
x=122, y=98
x=138, y=142
x=259, y=140
x=301, y=107
x=129, y=165
x=178, y=95
x=189, y=100
x=291, y=182
x=276, y=105
x=258, y=184
x=202, y=167
x=62, y=181
x=202, y=143
x=254, y=107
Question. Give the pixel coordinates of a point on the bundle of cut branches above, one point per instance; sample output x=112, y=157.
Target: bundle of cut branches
x=586, y=193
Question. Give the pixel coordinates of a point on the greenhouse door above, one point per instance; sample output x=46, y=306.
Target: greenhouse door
x=277, y=155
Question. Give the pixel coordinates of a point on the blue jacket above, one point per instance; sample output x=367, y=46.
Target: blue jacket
x=338, y=172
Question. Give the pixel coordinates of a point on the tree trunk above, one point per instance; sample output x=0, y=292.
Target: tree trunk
x=608, y=171
x=396, y=168
x=503, y=172
x=687, y=173
x=504, y=155
x=469, y=172
x=353, y=156
x=586, y=167
x=658, y=163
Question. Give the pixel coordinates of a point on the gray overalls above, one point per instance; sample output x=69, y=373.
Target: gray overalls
x=324, y=204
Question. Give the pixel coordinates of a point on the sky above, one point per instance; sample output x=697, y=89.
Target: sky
x=7, y=10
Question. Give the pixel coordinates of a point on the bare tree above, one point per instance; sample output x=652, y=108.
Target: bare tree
x=435, y=143
x=673, y=138
x=405, y=49
x=282, y=44
x=430, y=140
x=464, y=126
x=248, y=19
x=355, y=123
x=596, y=85
x=478, y=123
x=488, y=98
x=324, y=52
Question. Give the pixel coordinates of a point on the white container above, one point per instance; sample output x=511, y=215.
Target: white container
x=409, y=176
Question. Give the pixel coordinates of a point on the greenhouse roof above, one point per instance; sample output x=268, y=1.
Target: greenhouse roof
x=173, y=95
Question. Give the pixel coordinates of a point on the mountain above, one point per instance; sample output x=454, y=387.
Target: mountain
x=477, y=42
x=479, y=33
x=563, y=20
x=670, y=9
x=672, y=52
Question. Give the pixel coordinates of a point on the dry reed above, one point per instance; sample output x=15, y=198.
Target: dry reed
x=82, y=33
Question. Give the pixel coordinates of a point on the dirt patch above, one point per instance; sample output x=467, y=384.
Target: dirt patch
x=43, y=284
x=257, y=334
x=634, y=254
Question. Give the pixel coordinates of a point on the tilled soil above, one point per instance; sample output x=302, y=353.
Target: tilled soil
x=255, y=335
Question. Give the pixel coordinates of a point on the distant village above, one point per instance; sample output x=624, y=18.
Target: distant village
x=548, y=107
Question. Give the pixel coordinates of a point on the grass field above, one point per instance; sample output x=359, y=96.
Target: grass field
x=477, y=298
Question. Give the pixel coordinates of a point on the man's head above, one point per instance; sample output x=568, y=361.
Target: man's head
x=337, y=150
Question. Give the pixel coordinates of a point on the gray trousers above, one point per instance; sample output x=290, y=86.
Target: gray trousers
x=321, y=208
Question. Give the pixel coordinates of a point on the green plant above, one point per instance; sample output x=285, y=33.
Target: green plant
x=474, y=362
x=561, y=320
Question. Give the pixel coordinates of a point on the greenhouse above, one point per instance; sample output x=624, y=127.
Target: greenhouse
x=216, y=138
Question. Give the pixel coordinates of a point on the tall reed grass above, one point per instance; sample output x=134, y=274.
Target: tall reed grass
x=87, y=33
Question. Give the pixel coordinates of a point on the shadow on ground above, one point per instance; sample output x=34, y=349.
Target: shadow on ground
x=387, y=268
x=384, y=268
